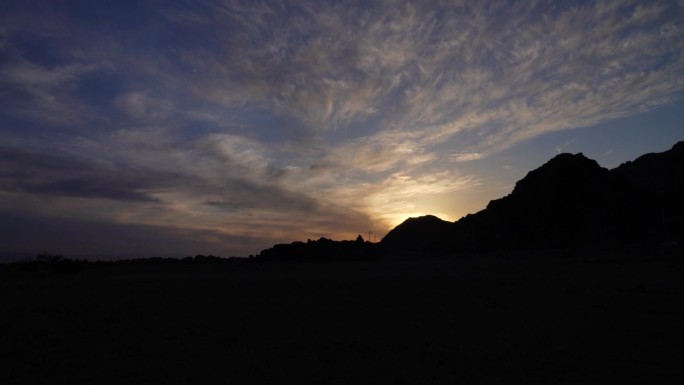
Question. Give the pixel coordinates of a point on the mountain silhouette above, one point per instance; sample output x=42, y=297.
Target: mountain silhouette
x=570, y=204
x=424, y=235
x=661, y=177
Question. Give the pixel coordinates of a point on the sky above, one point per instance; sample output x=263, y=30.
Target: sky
x=172, y=128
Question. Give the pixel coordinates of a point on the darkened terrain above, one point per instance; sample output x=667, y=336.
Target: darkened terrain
x=534, y=320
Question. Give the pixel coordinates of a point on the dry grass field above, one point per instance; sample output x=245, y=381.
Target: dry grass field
x=533, y=321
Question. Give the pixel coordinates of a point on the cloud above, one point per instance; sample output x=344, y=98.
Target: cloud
x=65, y=175
x=40, y=93
x=239, y=207
x=214, y=183
x=513, y=72
x=466, y=157
x=140, y=107
x=79, y=238
x=391, y=198
x=502, y=73
x=562, y=147
x=31, y=75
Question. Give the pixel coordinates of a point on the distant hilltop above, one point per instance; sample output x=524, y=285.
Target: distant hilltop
x=571, y=205
x=568, y=206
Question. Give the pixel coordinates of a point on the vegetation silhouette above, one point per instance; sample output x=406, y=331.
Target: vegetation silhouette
x=49, y=263
x=56, y=263
x=321, y=250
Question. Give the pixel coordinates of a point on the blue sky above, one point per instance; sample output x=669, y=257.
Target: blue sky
x=181, y=127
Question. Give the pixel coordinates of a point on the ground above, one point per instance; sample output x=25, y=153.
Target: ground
x=492, y=320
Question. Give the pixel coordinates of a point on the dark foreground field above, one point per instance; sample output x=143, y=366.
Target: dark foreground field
x=495, y=321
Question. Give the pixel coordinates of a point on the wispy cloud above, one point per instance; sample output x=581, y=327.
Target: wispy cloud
x=562, y=147
x=415, y=67
x=420, y=75
x=466, y=156
x=43, y=94
x=65, y=175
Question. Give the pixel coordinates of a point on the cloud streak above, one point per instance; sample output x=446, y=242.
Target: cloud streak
x=317, y=60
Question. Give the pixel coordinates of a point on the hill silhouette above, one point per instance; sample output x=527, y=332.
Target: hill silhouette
x=570, y=204
x=323, y=249
x=428, y=235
